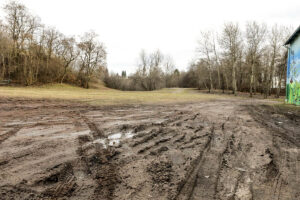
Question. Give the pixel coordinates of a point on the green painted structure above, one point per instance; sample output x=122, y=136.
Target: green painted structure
x=293, y=69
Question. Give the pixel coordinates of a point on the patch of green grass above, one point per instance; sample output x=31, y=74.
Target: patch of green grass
x=106, y=96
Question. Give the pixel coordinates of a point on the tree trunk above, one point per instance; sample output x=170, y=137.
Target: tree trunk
x=3, y=69
x=234, y=78
x=219, y=78
x=210, y=80
x=240, y=79
x=279, y=85
x=225, y=77
x=266, y=85
x=223, y=84
x=251, y=79
x=254, y=83
x=278, y=88
x=64, y=75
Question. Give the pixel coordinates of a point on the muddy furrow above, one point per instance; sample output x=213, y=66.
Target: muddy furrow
x=95, y=131
x=9, y=134
x=186, y=190
x=206, y=178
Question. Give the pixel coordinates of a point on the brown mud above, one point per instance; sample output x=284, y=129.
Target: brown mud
x=228, y=149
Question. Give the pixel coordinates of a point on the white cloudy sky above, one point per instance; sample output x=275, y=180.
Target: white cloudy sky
x=173, y=26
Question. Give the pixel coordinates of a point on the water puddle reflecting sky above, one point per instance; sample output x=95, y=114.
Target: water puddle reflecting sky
x=114, y=139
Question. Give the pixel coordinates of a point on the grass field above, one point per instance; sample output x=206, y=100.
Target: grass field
x=101, y=95
x=105, y=96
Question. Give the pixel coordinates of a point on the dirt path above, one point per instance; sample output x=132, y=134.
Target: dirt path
x=227, y=149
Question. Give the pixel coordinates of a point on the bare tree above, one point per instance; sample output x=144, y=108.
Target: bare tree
x=206, y=50
x=16, y=18
x=275, y=43
x=231, y=43
x=169, y=68
x=143, y=62
x=92, y=55
x=255, y=34
x=216, y=57
x=155, y=78
x=149, y=75
x=68, y=53
x=22, y=27
x=51, y=42
x=4, y=51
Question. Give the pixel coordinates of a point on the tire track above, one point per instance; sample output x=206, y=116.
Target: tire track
x=9, y=134
x=185, y=191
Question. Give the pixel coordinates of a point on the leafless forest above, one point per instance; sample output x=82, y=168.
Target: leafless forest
x=248, y=58
x=251, y=61
x=32, y=53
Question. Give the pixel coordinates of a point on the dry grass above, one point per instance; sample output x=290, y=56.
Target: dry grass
x=105, y=96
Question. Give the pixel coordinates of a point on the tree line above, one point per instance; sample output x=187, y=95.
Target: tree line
x=32, y=53
x=241, y=59
x=253, y=60
x=155, y=71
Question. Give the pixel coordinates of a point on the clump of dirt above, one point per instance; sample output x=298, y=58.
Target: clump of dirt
x=140, y=128
x=161, y=172
x=159, y=151
x=84, y=139
x=59, y=182
x=163, y=178
x=18, y=193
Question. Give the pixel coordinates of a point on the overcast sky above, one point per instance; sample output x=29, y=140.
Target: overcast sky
x=173, y=26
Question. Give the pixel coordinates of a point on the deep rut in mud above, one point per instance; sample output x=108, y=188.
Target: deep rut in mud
x=228, y=149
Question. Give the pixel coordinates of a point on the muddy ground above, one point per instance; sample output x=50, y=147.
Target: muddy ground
x=227, y=149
